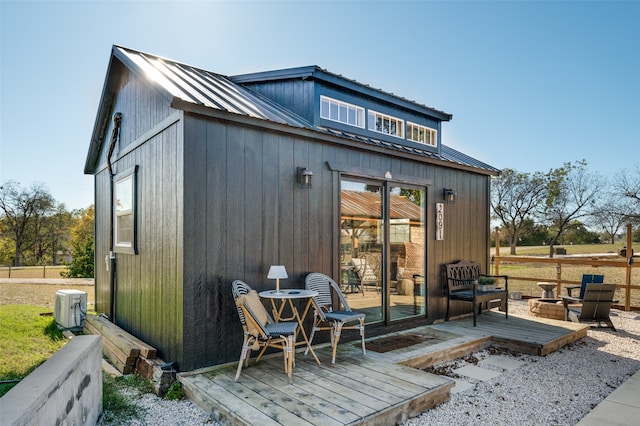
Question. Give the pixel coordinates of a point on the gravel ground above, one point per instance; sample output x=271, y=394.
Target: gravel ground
x=158, y=411
x=558, y=389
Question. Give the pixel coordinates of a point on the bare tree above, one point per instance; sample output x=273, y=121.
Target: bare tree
x=21, y=209
x=514, y=197
x=611, y=214
x=627, y=186
x=571, y=194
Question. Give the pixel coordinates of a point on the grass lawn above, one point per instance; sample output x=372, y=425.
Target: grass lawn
x=27, y=340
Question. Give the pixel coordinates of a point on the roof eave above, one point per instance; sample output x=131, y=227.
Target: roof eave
x=101, y=122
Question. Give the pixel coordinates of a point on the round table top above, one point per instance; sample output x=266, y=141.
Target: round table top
x=288, y=293
x=547, y=286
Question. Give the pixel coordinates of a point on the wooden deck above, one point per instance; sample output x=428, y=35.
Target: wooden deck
x=379, y=388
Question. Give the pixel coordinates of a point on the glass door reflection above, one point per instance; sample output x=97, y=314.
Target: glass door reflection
x=407, y=247
x=361, y=244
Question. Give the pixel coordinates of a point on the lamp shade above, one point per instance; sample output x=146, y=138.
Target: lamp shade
x=277, y=272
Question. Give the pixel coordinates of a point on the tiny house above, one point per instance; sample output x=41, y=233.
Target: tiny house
x=201, y=179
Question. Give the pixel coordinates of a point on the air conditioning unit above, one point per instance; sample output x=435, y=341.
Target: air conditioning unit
x=70, y=309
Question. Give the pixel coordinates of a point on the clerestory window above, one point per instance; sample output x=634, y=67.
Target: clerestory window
x=342, y=112
x=421, y=134
x=386, y=124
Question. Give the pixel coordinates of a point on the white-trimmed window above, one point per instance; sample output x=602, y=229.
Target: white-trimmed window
x=421, y=134
x=386, y=124
x=125, y=212
x=342, y=112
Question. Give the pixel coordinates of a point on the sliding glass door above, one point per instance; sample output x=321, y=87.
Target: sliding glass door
x=406, y=240
x=361, y=246
x=382, y=248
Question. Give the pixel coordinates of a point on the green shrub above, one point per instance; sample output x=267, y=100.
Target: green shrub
x=175, y=391
x=486, y=280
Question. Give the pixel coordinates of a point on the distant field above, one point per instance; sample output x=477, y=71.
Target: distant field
x=32, y=271
x=40, y=294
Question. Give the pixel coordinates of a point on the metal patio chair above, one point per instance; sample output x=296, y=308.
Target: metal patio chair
x=586, y=279
x=260, y=330
x=326, y=316
x=596, y=305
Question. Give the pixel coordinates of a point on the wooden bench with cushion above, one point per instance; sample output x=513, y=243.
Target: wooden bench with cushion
x=462, y=285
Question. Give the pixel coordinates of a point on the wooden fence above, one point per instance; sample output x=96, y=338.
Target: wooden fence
x=628, y=263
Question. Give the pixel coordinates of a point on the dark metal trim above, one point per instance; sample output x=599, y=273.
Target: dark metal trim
x=378, y=174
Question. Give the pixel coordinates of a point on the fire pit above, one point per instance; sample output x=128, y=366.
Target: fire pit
x=546, y=308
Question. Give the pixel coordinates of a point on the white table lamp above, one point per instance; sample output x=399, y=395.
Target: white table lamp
x=275, y=273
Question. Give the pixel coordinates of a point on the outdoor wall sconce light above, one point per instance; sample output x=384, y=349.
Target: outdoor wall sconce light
x=275, y=273
x=449, y=196
x=303, y=176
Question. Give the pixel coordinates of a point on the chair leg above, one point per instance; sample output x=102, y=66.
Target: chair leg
x=289, y=354
x=475, y=314
x=244, y=356
x=506, y=306
x=262, y=351
x=337, y=329
x=446, y=317
x=248, y=355
x=364, y=349
x=285, y=357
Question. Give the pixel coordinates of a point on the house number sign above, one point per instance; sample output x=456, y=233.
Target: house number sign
x=439, y=221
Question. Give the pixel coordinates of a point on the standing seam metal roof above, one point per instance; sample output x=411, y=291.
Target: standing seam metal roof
x=205, y=88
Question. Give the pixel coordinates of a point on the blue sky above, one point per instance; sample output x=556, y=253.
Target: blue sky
x=531, y=85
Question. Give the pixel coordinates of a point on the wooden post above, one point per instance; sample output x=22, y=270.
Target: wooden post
x=627, y=297
x=497, y=272
x=559, y=278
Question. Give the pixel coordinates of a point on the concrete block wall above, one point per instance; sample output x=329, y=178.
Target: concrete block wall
x=65, y=390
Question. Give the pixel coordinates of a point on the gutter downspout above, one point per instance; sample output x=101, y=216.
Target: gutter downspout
x=111, y=261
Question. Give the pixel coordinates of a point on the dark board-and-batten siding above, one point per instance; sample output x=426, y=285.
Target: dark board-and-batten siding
x=248, y=214
x=148, y=285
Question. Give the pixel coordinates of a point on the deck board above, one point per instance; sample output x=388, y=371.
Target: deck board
x=379, y=388
x=335, y=410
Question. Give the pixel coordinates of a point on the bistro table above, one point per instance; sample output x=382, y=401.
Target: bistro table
x=289, y=295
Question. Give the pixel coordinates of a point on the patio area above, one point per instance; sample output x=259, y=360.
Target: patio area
x=379, y=388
